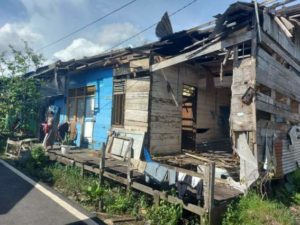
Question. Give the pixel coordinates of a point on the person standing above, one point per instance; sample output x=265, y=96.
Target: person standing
x=49, y=130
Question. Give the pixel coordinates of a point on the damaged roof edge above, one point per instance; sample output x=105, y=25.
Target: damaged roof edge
x=103, y=60
x=219, y=45
x=180, y=46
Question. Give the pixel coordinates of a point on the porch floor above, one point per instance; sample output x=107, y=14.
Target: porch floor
x=117, y=170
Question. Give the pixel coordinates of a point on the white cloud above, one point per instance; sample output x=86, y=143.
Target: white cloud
x=78, y=49
x=15, y=34
x=112, y=34
x=109, y=36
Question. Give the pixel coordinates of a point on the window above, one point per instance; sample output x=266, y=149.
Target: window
x=77, y=102
x=118, y=109
x=119, y=102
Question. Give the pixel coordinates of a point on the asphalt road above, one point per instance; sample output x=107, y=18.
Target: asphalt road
x=21, y=203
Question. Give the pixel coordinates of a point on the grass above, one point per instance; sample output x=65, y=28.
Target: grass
x=253, y=210
x=282, y=207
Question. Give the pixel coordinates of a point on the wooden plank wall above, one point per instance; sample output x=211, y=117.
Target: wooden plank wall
x=165, y=118
x=282, y=82
x=137, y=104
x=275, y=76
x=272, y=28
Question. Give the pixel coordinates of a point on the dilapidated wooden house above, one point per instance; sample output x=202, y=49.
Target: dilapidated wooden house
x=225, y=89
x=225, y=93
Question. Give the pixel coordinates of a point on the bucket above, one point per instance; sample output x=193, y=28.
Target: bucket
x=65, y=149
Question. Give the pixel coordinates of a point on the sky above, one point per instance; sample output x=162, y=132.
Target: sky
x=41, y=22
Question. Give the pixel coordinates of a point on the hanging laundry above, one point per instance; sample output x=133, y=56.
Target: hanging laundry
x=181, y=176
x=199, y=190
x=195, y=181
x=172, y=176
x=182, y=185
x=185, y=181
x=155, y=171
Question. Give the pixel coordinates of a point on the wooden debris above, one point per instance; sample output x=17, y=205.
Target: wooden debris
x=198, y=157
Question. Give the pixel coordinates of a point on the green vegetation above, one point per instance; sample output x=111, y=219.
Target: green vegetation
x=252, y=210
x=19, y=96
x=165, y=214
x=282, y=207
x=38, y=155
x=296, y=180
x=84, y=189
x=94, y=192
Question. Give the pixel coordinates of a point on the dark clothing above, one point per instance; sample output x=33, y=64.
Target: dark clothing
x=187, y=182
x=63, y=129
x=183, y=185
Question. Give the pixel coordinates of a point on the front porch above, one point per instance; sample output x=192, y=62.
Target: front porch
x=216, y=193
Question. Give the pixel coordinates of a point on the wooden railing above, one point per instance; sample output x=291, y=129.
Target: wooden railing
x=204, y=211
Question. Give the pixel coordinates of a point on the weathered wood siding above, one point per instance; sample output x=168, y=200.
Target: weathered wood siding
x=165, y=118
x=275, y=76
x=283, y=82
x=272, y=28
x=137, y=104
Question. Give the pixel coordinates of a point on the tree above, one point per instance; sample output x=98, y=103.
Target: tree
x=19, y=96
x=19, y=62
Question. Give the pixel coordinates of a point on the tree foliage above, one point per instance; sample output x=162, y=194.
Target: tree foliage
x=19, y=96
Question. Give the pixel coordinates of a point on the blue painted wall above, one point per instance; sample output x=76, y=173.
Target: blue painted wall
x=60, y=102
x=103, y=80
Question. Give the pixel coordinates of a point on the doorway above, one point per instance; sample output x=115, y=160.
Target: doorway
x=81, y=113
x=189, y=116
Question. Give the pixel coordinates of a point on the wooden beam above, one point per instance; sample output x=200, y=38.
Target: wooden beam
x=258, y=27
x=129, y=153
x=273, y=109
x=210, y=189
x=283, y=27
x=287, y=23
x=235, y=38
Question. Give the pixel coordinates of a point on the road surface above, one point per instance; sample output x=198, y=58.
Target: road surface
x=24, y=202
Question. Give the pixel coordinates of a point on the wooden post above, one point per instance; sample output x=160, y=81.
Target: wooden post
x=209, y=188
x=82, y=170
x=257, y=21
x=129, y=170
x=101, y=171
x=102, y=164
x=156, y=198
x=6, y=149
